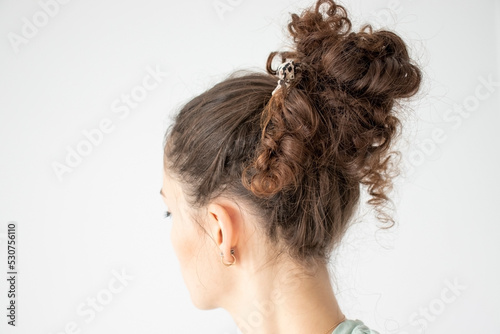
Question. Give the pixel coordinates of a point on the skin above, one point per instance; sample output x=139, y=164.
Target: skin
x=263, y=296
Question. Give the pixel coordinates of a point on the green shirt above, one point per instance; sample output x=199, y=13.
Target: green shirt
x=353, y=327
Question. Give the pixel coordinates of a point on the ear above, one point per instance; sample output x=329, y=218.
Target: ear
x=224, y=224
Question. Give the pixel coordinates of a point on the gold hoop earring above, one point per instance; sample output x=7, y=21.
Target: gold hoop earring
x=228, y=264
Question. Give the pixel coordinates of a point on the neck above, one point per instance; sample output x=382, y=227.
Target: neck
x=284, y=300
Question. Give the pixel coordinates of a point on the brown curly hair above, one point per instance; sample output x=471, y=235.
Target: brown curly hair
x=298, y=158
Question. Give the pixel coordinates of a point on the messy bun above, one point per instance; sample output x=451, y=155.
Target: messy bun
x=300, y=156
x=338, y=116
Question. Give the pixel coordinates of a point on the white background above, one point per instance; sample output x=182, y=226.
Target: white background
x=105, y=216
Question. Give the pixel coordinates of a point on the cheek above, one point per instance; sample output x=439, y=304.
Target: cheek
x=197, y=262
x=185, y=241
x=180, y=240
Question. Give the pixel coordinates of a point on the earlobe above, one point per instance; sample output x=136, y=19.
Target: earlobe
x=228, y=264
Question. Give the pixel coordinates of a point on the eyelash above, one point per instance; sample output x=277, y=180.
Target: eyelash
x=167, y=214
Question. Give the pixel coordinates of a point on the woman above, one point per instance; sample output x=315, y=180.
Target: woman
x=264, y=171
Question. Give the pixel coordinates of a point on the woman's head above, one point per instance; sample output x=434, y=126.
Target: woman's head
x=292, y=164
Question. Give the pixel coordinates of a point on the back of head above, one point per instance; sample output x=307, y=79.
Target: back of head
x=298, y=158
